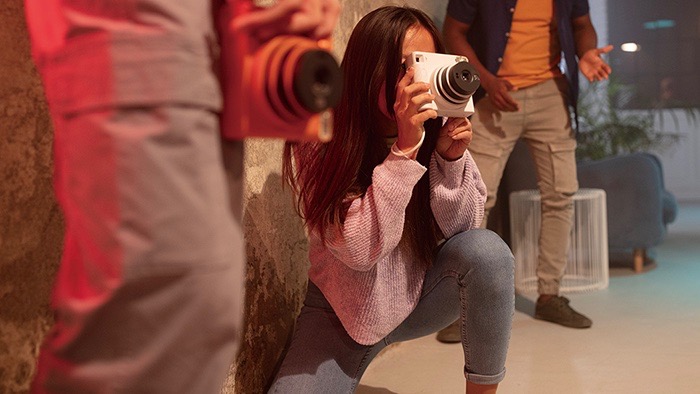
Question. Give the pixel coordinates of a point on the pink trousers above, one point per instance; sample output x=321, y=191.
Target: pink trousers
x=149, y=292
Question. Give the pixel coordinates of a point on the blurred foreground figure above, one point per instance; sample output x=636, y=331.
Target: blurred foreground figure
x=149, y=293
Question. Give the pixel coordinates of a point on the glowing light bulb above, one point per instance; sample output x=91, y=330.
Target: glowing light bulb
x=630, y=47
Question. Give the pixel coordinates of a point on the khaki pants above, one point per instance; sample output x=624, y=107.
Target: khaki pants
x=543, y=122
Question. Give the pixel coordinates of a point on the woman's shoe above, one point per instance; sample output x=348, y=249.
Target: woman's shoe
x=450, y=334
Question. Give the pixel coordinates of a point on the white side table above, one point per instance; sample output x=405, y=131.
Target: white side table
x=587, y=266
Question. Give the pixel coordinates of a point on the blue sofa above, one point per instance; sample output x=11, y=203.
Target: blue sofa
x=638, y=206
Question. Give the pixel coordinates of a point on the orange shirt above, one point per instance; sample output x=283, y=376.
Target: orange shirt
x=533, y=52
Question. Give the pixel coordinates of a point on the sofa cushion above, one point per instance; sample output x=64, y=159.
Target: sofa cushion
x=669, y=207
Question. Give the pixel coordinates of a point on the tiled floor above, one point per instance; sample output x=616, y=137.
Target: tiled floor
x=645, y=337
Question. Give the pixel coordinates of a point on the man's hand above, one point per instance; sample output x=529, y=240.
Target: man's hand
x=312, y=18
x=498, y=90
x=592, y=66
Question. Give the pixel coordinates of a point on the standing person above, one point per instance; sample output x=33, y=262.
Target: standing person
x=516, y=46
x=378, y=201
x=148, y=296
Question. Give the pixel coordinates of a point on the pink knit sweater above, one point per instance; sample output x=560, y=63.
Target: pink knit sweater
x=372, y=283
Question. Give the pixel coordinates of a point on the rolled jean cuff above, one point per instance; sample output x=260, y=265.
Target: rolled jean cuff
x=484, y=379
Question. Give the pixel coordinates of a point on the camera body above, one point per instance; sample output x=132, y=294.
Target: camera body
x=284, y=87
x=453, y=81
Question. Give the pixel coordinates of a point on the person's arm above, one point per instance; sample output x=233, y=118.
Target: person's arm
x=592, y=66
x=455, y=33
x=457, y=194
x=374, y=223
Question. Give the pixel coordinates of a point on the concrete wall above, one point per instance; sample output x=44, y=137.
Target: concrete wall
x=31, y=223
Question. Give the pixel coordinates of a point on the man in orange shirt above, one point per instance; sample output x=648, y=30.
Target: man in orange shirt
x=517, y=46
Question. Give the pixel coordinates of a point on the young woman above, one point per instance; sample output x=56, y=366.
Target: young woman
x=378, y=201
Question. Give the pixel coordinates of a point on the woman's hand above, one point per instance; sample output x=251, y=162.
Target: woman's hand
x=409, y=121
x=455, y=136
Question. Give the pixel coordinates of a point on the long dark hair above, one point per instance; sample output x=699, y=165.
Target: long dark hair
x=328, y=176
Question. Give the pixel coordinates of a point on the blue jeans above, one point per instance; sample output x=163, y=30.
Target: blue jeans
x=474, y=267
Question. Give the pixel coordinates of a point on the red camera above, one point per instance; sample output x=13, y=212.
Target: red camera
x=281, y=88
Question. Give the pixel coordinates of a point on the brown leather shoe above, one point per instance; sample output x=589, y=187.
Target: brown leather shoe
x=450, y=334
x=557, y=310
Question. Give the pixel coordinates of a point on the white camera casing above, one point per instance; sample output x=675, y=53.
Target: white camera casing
x=426, y=66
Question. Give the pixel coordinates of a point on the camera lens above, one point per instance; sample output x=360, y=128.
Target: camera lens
x=457, y=83
x=318, y=81
x=300, y=78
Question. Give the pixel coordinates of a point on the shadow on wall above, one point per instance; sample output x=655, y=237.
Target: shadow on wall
x=277, y=264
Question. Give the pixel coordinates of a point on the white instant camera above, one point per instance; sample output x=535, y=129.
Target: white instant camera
x=452, y=80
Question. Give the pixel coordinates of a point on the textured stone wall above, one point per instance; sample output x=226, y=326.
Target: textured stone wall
x=276, y=267
x=31, y=223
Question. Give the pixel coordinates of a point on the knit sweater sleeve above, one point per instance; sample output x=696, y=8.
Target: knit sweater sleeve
x=457, y=194
x=374, y=222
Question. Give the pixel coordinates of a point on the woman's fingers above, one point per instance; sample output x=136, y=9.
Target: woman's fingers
x=404, y=81
x=411, y=96
x=454, y=126
x=422, y=99
x=453, y=123
x=425, y=115
x=415, y=93
x=465, y=135
x=416, y=88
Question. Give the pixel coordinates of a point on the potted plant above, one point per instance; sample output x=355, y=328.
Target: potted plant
x=607, y=130
x=615, y=152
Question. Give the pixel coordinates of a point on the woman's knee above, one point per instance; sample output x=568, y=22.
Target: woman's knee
x=480, y=252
